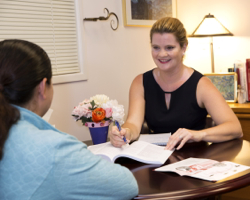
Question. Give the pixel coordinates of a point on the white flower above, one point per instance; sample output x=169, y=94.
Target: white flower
x=118, y=110
x=109, y=104
x=100, y=99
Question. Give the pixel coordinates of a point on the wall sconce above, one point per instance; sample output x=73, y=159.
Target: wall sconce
x=105, y=18
x=210, y=27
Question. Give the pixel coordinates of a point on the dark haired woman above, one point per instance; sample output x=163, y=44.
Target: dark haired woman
x=36, y=160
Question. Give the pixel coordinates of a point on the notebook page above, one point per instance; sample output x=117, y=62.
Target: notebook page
x=158, y=139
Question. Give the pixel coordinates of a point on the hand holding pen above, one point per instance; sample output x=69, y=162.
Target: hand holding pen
x=119, y=128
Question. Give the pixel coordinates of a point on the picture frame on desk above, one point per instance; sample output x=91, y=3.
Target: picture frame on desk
x=226, y=83
x=144, y=13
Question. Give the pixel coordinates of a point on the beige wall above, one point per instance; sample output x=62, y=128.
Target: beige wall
x=114, y=58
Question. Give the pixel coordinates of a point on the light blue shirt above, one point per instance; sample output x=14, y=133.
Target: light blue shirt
x=42, y=163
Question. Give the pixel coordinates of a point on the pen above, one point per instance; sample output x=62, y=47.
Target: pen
x=119, y=128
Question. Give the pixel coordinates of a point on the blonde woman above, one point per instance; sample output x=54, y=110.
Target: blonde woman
x=175, y=98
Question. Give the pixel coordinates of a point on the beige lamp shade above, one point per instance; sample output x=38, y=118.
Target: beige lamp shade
x=210, y=26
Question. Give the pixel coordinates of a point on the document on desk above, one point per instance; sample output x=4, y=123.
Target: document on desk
x=158, y=139
x=139, y=150
x=206, y=169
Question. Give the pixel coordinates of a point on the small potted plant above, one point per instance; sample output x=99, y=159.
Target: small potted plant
x=97, y=113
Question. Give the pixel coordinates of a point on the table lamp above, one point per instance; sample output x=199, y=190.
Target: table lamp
x=210, y=27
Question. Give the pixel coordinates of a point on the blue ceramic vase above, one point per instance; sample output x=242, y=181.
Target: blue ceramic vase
x=98, y=132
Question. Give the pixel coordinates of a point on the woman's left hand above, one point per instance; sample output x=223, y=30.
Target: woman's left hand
x=181, y=136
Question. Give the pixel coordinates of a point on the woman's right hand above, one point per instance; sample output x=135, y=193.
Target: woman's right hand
x=116, y=136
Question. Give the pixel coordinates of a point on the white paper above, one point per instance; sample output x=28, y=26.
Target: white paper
x=205, y=169
x=158, y=139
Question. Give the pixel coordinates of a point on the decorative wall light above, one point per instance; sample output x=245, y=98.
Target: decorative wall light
x=106, y=18
x=210, y=27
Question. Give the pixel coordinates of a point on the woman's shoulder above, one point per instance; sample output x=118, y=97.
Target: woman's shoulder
x=206, y=90
x=205, y=85
x=199, y=77
x=196, y=73
x=149, y=71
x=149, y=74
x=141, y=79
x=144, y=74
x=205, y=82
x=40, y=137
x=138, y=78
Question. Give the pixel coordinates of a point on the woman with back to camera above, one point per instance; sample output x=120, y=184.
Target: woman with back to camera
x=36, y=160
x=175, y=98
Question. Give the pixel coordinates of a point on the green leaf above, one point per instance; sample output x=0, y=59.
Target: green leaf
x=93, y=105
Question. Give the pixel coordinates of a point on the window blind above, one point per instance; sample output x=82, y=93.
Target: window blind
x=49, y=23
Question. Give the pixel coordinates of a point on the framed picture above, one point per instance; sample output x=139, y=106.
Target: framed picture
x=144, y=13
x=226, y=83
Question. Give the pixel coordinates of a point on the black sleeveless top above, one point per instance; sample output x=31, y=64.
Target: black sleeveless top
x=183, y=112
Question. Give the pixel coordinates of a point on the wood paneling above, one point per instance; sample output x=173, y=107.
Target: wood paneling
x=242, y=111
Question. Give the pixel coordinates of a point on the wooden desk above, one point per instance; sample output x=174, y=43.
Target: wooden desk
x=159, y=185
x=242, y=111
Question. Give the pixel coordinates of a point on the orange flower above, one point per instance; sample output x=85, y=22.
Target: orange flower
x=98, y=114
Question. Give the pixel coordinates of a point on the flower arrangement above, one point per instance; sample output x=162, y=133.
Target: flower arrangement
x=98, y=109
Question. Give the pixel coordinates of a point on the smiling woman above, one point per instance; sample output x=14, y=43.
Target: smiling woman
x=175, y=98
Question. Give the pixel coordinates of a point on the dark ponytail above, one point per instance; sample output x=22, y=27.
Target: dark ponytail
x=23, y=65
x=8, y=116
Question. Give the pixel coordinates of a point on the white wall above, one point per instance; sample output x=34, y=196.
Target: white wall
x=234, y=15
x=114, y=58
